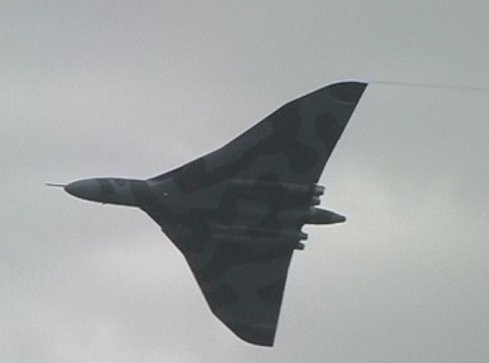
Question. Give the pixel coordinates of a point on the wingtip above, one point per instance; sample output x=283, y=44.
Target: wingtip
x=254, y=334
x=350, y=81
x=347, y=91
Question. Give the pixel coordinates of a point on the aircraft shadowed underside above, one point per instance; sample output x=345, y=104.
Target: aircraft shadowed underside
x=236, y=214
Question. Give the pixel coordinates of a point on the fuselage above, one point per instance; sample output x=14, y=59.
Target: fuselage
x=140, y=193
x=107, y=190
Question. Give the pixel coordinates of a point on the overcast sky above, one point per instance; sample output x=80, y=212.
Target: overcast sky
x=134, y=88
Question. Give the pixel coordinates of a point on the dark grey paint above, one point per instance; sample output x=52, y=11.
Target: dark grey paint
x=236, y=214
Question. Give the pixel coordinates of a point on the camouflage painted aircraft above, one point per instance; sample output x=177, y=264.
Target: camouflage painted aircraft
x=236, y=214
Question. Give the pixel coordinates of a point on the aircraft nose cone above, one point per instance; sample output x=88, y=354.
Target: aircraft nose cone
x=85, y=189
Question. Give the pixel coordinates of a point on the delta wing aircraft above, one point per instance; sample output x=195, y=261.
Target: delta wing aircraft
x=236, y=214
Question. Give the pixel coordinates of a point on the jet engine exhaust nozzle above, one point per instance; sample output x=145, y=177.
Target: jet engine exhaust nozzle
x=322, y=216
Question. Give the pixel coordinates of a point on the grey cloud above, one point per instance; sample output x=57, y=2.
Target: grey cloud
x=136, y=88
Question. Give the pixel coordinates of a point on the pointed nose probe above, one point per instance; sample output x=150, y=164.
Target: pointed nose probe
x=58, y=185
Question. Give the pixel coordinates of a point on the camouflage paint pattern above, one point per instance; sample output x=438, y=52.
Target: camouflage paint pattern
x=236, y=214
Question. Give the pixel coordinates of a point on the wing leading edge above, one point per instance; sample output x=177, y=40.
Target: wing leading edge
x=236, y=214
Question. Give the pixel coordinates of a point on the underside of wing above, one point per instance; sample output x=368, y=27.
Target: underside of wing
x=242, y=275
x=236, y=214
x=292, y=144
